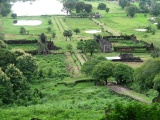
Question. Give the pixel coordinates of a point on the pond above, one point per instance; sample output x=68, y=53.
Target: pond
x=113, y=58
x=37, y=8
x=28, y=22
x=141, y=30
x=93, y=31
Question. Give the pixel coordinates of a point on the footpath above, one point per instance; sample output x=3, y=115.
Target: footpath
x=130, y=93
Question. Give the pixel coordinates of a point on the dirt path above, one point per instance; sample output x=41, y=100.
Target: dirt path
x=127, y=92
x=115, y=33
x=80, y=58
x=72, y=67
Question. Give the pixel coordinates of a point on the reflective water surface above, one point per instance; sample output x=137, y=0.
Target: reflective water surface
x=37, y=8
x=28, y=22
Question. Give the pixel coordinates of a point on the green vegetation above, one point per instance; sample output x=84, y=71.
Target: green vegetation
x=69, y=82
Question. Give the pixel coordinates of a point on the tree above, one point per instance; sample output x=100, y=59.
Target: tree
x=87, y=46
x=77, y=30
x=49, y=21
x=131, y=10
x=69, y=6
x=2, y=44
x=123, y=73
x=101, y=6
x=6, y=57
x=155, y=53
x=122, y=3
x=69, y=47
x=80, y=45
x=13, y=15
x=16, y=77
x=155, y=8
x=90, y=46
x=107, y=9
x=49, y=29
x=158, y=25
x=27, y=64
x=102, y=71
x=156, y=82
x=1, y=36
x=145, y=74
x=67, y=33
x=88, y=66
x=22, y=31
x=132, y=111
x=80, y=7
x=5, y=8
x=18, y=52
x=6, y=94
x=54, y=34
x=88, y=8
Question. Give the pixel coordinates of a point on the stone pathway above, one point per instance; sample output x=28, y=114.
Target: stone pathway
x=127, y=92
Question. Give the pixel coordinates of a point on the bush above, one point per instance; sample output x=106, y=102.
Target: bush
x=22, y=31
x=49, y=22
x=101, y=6
x=14, y=15
x=49, y=29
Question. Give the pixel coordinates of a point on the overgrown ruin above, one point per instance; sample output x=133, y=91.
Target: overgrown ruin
x=45, y=46
x=106, y=44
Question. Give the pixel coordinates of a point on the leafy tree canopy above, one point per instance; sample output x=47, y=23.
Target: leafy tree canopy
x=123, y=73
x=101, y=6
x=27, y=64
x=122, y=3
x=67, y=33
x=131, y=10
x=145, y=74
x=103, y=70
x=88, y=66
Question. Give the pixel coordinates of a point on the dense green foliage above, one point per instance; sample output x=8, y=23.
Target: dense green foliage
x=88, y=66
x=2, y=44
x=133, y=111
x=83, y=101
x=145, y=74
x=5, y=7
x=131, y=10
x=87, y=46
x=69, y=47
x=22, y=31
x=17, y=69
x=51, y=66
x=13, y=15
x=122, y=3
x=63, y=96
x=123, y=73
x=67, y=33
x=77, y=30
x=102, y=71
x=27, y=64
x=101, y=6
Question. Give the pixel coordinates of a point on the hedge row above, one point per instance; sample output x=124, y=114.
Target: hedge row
x=20, y=41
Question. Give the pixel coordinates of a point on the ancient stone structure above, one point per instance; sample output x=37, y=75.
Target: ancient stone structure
x=104, y=44
x=45, y=46
x=128, y=58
